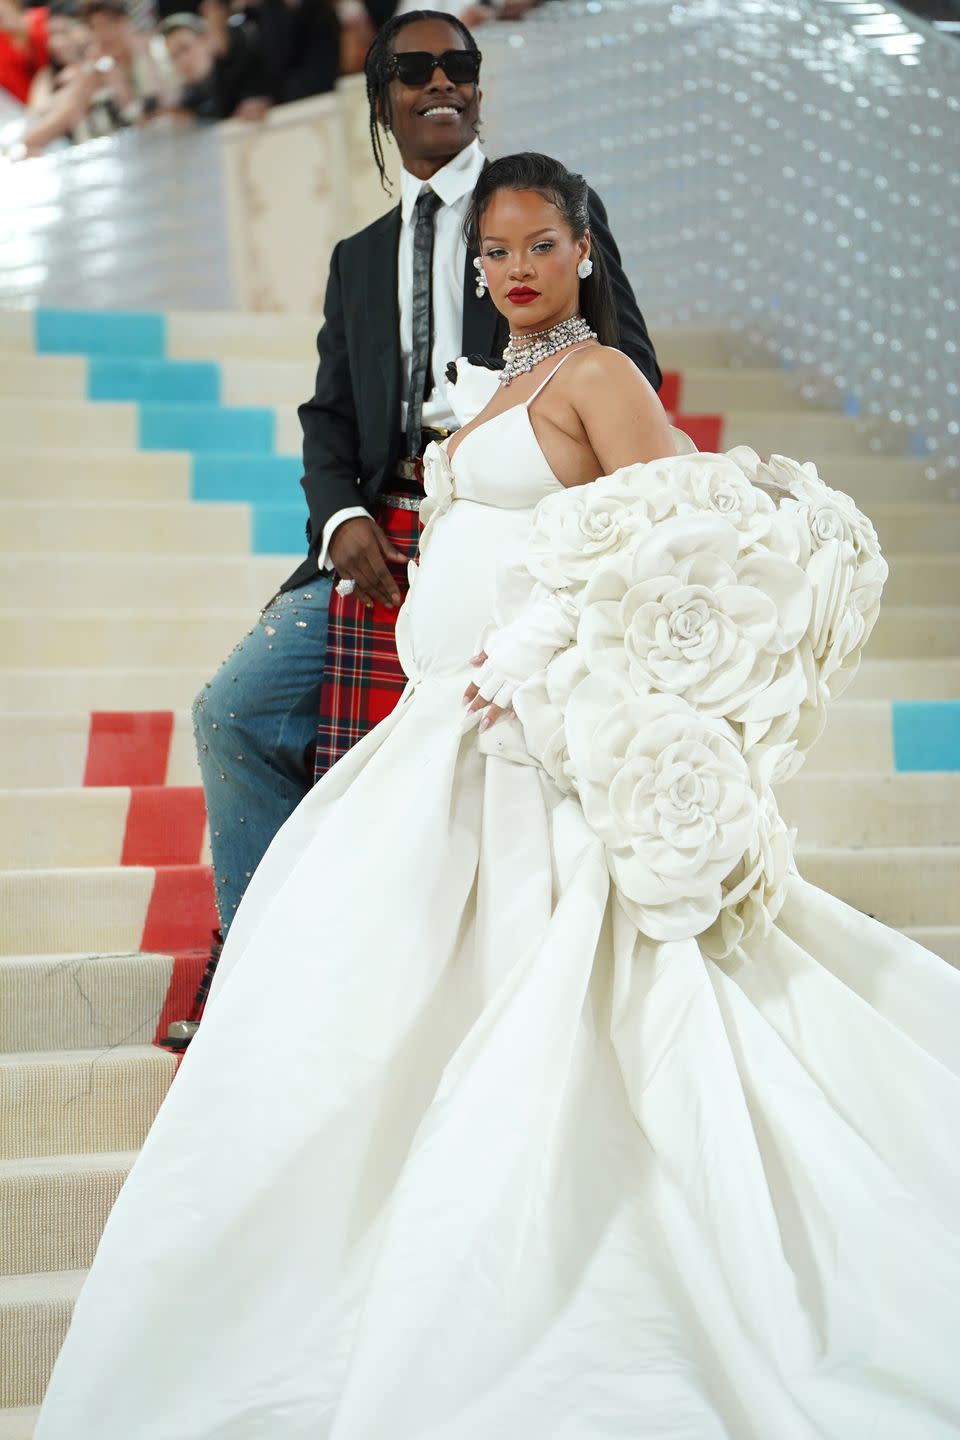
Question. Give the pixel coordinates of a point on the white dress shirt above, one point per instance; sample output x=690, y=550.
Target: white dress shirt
x=454, y=184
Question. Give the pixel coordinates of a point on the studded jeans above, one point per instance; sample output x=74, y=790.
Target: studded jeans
x=255, y=724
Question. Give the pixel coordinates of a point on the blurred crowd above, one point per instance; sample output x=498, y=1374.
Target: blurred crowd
x=86, y=68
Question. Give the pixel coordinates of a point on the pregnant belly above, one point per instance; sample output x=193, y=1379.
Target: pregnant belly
x=451, y=600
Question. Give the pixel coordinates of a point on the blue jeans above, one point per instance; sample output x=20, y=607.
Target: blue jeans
x=255, y=725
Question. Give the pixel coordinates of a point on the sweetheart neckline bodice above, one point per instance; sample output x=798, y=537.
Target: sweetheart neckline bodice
x=524, y=409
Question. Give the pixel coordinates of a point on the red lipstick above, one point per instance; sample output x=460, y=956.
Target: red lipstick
x=522, y=295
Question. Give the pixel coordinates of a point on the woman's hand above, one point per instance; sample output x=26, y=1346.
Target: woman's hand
x=475, y=701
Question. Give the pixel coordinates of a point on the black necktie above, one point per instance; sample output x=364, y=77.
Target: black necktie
x=427, y=205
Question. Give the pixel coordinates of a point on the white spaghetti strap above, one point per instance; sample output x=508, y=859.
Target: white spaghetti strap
x=553, y=372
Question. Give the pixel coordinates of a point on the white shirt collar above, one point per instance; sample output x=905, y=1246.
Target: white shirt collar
x=452, y=183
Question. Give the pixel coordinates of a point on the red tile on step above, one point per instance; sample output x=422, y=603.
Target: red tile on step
x=128, y=747
x=187, y=973
x=182, y=912
x=164, y=825
x=706, y=431
x=671, y=390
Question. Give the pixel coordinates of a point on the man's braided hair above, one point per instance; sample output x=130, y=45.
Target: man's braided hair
x=377, y=67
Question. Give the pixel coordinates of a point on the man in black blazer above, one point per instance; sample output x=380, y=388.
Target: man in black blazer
x=256, y=721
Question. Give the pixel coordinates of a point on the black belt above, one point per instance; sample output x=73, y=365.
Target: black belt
x=405, y=465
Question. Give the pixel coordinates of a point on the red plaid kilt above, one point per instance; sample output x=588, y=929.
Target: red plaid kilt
x=363, y=679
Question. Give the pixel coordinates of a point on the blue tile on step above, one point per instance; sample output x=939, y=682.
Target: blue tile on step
x=259, y=479
x=279, y=529
x=926, y=734
x=100, y=332
x=118, y=377
x=207, y=427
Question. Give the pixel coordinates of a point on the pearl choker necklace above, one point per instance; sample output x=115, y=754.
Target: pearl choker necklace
x=525, y=351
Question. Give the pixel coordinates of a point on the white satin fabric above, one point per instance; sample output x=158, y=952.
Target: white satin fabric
x=457, y=1155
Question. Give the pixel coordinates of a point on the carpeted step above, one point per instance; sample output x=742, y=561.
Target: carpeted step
x=880, y=736
x=911, y=529
x=19, y=1423
x=943, y=940
x=69, y=689
x=685, y=347
x=73, y=422
x=16, y=332
x=54, y=1208
x=93, y=1002
x=813, y=435
x=923, y=580
x=115, y=637
x=151, y=582
x=51, y=751
x=72, y=1102
x=906, y=680
x=883, y=479
x=106, y=911
x=35, y=1313
x=102, y=826
x=902, y=885
x=873, y=810
x=912, y=631
x=60, y=376
x=129, y=527
x=35, y=472
x=276, y=382
x=127, y=425
x=236, y=335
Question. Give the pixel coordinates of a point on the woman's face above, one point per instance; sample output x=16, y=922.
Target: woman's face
x=530, y=258
x=68, y=39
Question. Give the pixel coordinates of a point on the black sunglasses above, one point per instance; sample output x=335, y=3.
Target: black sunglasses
x=415, y=67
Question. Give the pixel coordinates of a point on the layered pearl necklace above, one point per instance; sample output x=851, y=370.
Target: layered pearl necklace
x=525, y=351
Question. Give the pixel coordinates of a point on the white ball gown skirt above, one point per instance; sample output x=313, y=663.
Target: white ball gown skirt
x=457, y=1154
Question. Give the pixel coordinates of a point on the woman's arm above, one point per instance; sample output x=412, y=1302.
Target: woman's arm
x=41, y=91
x=624, y=421
x=67, y=108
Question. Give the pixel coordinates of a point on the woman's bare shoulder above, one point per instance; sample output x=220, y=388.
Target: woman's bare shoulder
x=602, y=366
x=618, y=408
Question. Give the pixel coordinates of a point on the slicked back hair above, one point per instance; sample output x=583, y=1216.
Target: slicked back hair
x=568, y=192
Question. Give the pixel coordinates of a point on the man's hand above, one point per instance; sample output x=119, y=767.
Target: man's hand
x=360, y=551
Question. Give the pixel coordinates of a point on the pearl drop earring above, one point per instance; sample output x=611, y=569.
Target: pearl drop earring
x=585, y=268
x=481, y=278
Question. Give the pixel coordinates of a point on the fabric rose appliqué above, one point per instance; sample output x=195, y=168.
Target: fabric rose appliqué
x=576, y=530
x=687, y=614
x=670, y=795
x=841, y=555
x=437, y=485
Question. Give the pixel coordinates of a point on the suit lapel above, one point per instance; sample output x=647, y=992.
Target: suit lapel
x=382, y=309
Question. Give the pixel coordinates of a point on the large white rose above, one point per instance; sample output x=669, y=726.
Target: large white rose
x=669, y=794
x=715, y=485
x=438, y=487
x=575, y=529
x=687, y=614
x=842, y=558
x=754, y=891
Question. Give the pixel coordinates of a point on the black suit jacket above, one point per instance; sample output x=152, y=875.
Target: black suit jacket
x=351, y=427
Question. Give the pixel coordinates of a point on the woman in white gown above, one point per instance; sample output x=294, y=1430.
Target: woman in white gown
x=487, y=1133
